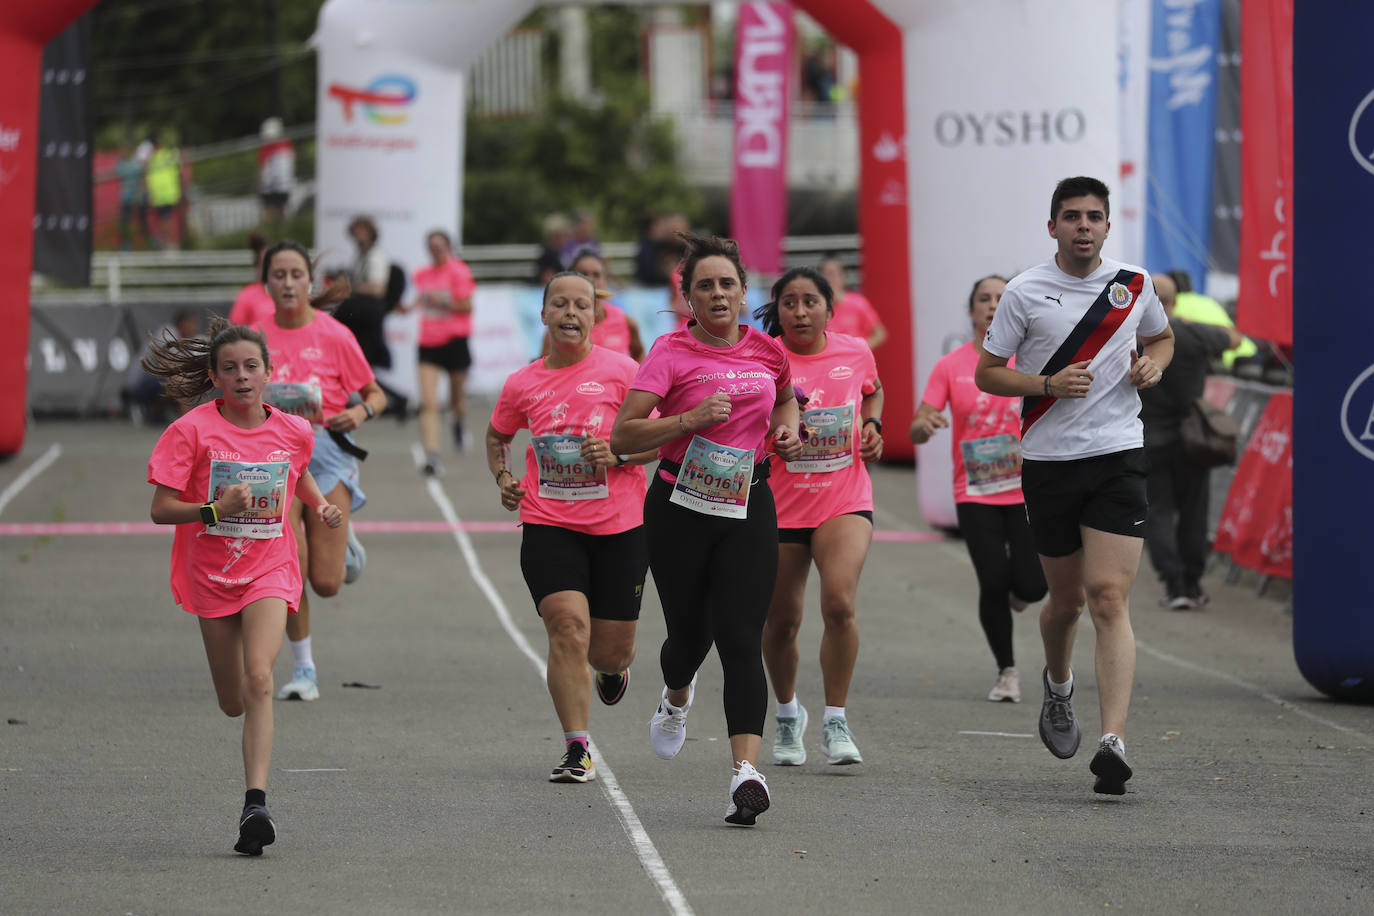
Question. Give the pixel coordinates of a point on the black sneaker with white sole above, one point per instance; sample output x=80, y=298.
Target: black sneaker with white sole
x=256, y=830
x=611, y=687
x=1110, y=767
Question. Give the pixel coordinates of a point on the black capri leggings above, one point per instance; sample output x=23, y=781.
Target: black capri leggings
x=1003, y=552
x=715, y=580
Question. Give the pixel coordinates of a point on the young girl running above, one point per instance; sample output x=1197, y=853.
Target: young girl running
x=825, y=508
x=720, y=387
x=318, y=365
x=583, y=551
x=987, y=487
x=225, y=473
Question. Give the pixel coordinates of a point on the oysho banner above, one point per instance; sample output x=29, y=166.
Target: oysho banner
x=758, y=183
x=1185, y=36
x=1265, y=306
x=384, y=118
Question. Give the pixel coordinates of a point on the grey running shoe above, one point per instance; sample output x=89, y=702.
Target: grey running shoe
x=1110, y=767
x=1058, y=727
x=355, y=557
x=788, y=750
x=837, y=743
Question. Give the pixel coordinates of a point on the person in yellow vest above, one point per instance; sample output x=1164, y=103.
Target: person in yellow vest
x=163, y=179
x=1199, y=309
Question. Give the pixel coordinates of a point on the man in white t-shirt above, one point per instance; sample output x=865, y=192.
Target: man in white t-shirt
x=1072, y=323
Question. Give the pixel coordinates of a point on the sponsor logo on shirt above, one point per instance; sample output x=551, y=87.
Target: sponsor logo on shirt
x=280, y=454
x=591, y=388
x=721, y=457
x=254, y=475
x=536, y=398
x=1119, y=295
x=822, y=419
x=218, y=455
x=734, y=373
x=312, y=353
x=840, y=373
x=566, y=447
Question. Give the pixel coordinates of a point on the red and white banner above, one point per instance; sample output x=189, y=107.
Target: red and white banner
x=758, y=182
x=1256, y=527
x=1265, y=306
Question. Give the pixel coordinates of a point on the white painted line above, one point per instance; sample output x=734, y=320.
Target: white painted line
x=23, y=480
x=1252, y=688
x=648, y=855
x=318, y=770
x=998, y=734
x=1219, y=675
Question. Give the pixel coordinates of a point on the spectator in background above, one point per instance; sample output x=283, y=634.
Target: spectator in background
x=1199, y=309
x=819, y=80
x=854, y=314
x=276, y=170
x=143, y=395
x=659, y=248
x=164, y=189
x=253, y=306
x=550, y=260
x=373, y=293
x=129, y=171
x=581, y=238
x=1177, y=489
x=371, y=268
x=143, y=152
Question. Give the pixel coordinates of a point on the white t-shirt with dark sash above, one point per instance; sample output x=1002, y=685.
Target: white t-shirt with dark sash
x=1048, y=319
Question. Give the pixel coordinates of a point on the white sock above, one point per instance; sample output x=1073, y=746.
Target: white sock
x=1061, y=690
x=789, y=710
x=833, y=712
x=1116, y=740
x=301, y=651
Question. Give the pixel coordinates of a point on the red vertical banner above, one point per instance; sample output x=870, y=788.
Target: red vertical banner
x=1265, y=306
x=758, y=181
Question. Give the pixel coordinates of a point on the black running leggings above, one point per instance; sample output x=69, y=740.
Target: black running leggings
x=715, y=580
x=1003, y=552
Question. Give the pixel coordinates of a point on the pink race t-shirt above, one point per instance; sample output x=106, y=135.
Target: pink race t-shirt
x=252, y=307
x=976, y=419
x=214, y=575
x=439, y=326
x=323, y=353
x=613, y=331
x=834, y=381
x=854, y=315
x=578, y=400
x=683, y=372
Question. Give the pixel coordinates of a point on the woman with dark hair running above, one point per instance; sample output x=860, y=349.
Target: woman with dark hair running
x=987, y=486
x=318, y=366
x=614, y=329
x=825, y=508
x=445, y=289
x=720, y=388
x=225, y=473
x=583, y=552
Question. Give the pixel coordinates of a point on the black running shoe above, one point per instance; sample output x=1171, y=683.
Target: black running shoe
x=1058, y=726
x=576, y=765
x=1110, y=767
x=256, y=830
x=611, y=687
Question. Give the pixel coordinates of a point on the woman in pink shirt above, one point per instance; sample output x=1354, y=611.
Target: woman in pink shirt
x=581, y=506
x=854, y=314
x=445, y=301
x=318, y=366
x=719, y=388
x=987, y=486
x=614, y=329
x=253, y=307
x=225, y=473
x=825, y=508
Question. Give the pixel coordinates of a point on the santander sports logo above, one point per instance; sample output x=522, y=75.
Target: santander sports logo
x=385, y=100
x=1357, y=413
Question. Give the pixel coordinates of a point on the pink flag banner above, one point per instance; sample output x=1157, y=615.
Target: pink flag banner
x=758, y=185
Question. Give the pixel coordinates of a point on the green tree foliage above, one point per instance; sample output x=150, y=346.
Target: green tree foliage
x=206, y=68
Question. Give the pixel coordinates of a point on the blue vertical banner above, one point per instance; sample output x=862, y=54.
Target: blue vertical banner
x=1185, y=36
x=1333, y=411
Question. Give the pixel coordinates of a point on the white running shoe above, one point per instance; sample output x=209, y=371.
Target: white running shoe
x=302, y=685
x=837, y=742
x=668, y=727
x=788, y=750
x=1008, y=687
x=355, y=557
x=748, y=795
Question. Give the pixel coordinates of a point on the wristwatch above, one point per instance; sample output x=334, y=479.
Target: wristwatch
x=367, y=409
x=208, y=515
x=622, y=460
x=876, y=422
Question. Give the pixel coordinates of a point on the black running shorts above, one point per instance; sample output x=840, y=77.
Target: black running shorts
x=608, y=568
x=803, y=535
x=453, y=356
x=1105, y=492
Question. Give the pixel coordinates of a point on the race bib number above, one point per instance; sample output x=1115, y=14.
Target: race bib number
x=829, y=442
x=564, y=473
x=714, y=479
x=299, y=400
x=263, y=517
x=992, y=465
